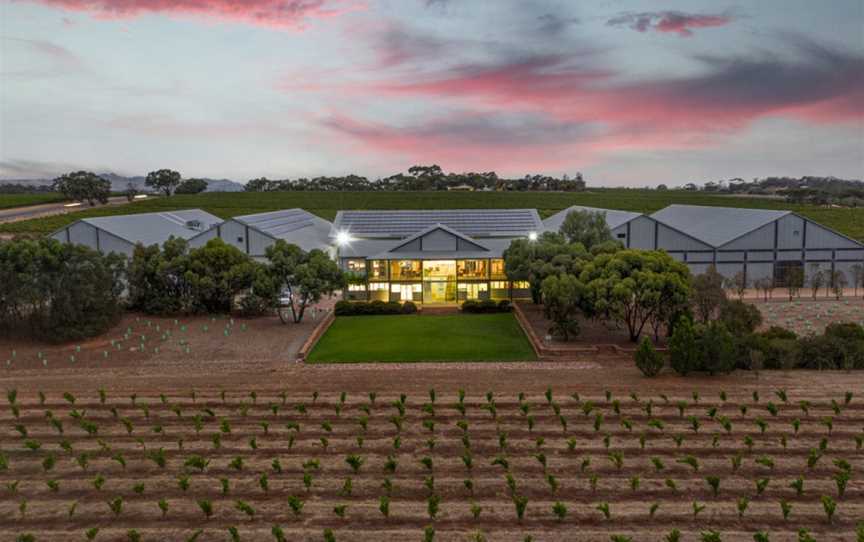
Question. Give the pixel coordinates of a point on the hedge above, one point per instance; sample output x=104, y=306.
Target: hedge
x=377, y=307
x=486, y=306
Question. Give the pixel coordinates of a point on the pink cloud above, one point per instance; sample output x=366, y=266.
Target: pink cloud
x=291, y=14
x=675, y=22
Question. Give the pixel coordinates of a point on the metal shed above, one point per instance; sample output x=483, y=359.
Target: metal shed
x=760, y=243
x=254, y=233
x=121, y=233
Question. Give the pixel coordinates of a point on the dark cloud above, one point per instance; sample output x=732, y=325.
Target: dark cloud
x=676, y=22
x=553, y=24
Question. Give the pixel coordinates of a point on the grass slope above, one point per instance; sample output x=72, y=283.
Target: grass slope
x=9, y=201
x=462, y=337
x=326, y=204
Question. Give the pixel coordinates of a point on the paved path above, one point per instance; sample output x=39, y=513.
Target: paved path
x=48, y=209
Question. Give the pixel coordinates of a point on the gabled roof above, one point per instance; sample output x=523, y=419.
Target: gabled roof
x=472, y=222
x=155, y=228
x=435, y=227
x=614, y=217
x=715, y=226
x=295, y=226
x=280, y=224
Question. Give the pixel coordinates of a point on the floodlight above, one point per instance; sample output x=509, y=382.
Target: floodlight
x=343, y=238
x=532, y=236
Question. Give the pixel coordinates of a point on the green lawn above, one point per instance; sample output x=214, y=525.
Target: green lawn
x=461, y=337
x=326, y=204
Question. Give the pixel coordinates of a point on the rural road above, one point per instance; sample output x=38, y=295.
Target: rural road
x=47, y=209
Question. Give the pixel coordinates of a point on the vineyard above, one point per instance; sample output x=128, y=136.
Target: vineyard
x=217, y=465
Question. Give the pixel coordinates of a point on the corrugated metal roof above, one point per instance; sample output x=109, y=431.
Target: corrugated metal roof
x=715, y=225
x=441, y=227
x=473, y=222
x=614, y=217
x=155, y=228
x=295, y=226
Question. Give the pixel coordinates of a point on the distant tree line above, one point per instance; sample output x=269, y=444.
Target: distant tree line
x=802, y=190
x=17, y=188
x=422, y=178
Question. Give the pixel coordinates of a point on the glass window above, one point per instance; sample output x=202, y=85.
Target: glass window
x=521, y=284
x=406, y=269
x=356, y=287
x=472, y=269
x=439, y=269
x=498, y=269
x=379, y=291
x=356, y=266
x=378, y=269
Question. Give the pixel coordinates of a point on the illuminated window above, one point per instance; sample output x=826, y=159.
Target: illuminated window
x=521, y=284
x=472, y=269
x=356, y=288
x=358, y=267
x=376, y=286
x=406, y=269
x=439, y=269
x=378, y=269
x=498, y=268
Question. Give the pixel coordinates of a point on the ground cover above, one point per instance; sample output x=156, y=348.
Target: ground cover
x=809, y=317
x=460, y=337
x=259, y=464
x=9, y=201
x=326, y=204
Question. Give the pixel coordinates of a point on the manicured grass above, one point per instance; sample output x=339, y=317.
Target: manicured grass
x=9, y=201
x=326, y=204
x=461, y=337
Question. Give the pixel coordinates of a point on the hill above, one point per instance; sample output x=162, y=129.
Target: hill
x=119, y=183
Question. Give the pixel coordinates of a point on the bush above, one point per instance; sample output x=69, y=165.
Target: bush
x=486, y=306
x=716, y=348
x=377, y=307
x=683, y=351
x=648, y=360
x=740, y=318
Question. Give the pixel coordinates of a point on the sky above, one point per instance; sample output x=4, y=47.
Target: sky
x=631, y=93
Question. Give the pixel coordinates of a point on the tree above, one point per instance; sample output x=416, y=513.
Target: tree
x=163, y=180
x=586, y=227
x=156, y=278
x=83, y=186
x=683, y=351
x=215, y=274
x=262, y=184
x=191, y=186
x=648, y=360
x=740, y=318
x=838, y=283
x=307, y=276
x=817, y=278
x=857, y=277
x=708, y=293
x=56, y=291
x=130, y=192
x=738, y=284
x=561, y=298
x=549, y=255
x=631, y=286
x=766, y=286
x=794, y=282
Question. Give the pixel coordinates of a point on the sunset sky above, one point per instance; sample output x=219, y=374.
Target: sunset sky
x=629, y=93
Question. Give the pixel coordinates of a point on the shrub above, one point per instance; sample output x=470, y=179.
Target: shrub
x=409, y=307
x=648, y=360
x=683, y=351
x=485, y=306
x=363, y=308
x=716, y=348
x=740, y=318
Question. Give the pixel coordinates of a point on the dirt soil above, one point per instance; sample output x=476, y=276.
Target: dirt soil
x=592, y=332
x=579, y=392
x=806, y=316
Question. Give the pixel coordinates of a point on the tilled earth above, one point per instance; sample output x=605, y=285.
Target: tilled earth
x=606, y=441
